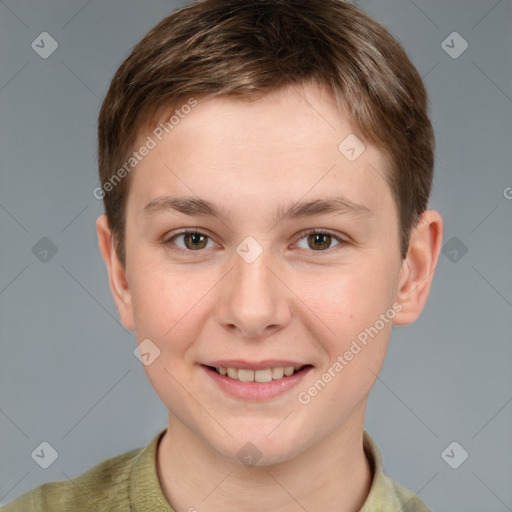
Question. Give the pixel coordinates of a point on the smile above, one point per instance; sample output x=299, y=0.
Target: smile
x=263, y=383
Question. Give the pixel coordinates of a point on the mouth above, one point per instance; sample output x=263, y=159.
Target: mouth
x=256, y=382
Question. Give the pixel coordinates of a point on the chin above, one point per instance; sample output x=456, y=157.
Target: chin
x=259, y=448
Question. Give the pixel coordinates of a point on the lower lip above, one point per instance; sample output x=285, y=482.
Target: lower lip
x=256, y=391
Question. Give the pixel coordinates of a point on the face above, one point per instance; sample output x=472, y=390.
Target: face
x=251, y=287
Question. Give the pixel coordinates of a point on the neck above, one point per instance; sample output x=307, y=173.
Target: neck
x=332, y=476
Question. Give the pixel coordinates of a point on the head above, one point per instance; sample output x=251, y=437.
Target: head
x=251, y=123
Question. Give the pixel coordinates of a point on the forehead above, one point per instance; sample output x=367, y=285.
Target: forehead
x=286, y=144
x=293, y=118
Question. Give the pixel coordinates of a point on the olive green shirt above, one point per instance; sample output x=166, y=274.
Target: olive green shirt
x=129, y=482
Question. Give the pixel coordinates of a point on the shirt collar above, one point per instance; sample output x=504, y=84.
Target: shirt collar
x=146, y=493
x=382, y=495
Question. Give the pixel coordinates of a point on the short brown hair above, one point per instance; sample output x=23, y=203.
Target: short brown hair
x=247, y=48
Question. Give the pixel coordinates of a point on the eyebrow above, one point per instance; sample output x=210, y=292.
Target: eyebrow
x=194, y=206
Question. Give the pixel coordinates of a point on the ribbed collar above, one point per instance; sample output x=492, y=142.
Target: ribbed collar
x=147, y=495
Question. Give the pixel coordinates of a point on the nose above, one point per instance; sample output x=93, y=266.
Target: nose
x=253, y=300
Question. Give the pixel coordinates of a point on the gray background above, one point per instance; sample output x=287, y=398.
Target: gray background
x=68, y=375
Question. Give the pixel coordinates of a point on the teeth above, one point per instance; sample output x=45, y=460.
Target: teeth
x=246, y=375
x=263, y=375
x=277, y=373
x=289, y=370
x=266, y=375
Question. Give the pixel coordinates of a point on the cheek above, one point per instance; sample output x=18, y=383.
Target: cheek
x=168, y=310
x=165, y=303
x=156, y=304
x=356, y=307
x=159, y=291
x=348, y=300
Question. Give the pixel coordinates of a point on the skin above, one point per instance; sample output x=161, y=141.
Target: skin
x=299, y=300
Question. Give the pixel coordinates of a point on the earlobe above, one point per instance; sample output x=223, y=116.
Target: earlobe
x=116, y=273
x=418, y=267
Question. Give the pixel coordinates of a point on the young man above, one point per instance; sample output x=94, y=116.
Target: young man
x=265, y=168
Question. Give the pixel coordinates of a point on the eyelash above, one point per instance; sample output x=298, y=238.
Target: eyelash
x=167, y=242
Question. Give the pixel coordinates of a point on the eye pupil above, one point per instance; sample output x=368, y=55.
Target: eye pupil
x=316, y=238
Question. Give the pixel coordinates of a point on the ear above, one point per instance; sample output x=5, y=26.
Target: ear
x=116, y=273
x=418, y=267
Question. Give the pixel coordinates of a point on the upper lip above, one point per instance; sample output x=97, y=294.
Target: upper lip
x=254, y=365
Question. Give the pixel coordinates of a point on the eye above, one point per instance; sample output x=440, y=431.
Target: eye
x=193, y=240
x=320, y=241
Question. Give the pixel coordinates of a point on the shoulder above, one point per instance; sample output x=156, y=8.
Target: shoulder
x=407, y=500
x=386, y=494
x=106, y=486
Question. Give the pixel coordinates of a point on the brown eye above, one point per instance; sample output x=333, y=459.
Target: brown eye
x=195, y=240
x=189, y=240
x=319, y=241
